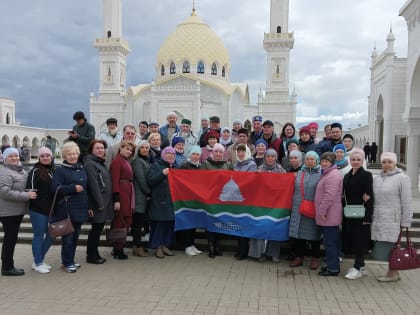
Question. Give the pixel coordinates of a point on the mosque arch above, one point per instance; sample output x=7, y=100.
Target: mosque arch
x=214, y=69
x=5, y=140
x=172, y=68
x=16, y=142
x=7, y=119
x=415, y=84
x=35, y=147
x=162, y=69
x=223, y=71
x=200, y=67
x=186, y=67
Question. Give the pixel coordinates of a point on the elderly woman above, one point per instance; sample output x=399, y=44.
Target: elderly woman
x=329, y=212
x=260, y=148
x=291, y=145
x=155, y=142
x=341, y=160
x=187, y=236
x=71, y=181
x=356, y=232
x=39, y=180
x=161, y=213
x=303, y=228
x=216, y=162
x=178, y=143
x=257, y=247
x=212, y=139
x=392, y=210
x=100, y=204
x=295, y=161
x=141, y=165
x=123, y=193
x=13, y=205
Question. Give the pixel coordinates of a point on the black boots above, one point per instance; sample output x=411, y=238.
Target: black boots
x=119, y=254
x=214, y=249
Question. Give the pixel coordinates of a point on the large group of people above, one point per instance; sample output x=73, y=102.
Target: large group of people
x=123, y=178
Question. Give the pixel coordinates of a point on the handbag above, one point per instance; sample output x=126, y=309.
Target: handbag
x=307, y=207
x=62, y=227
x=115, y=235
x=404, y=258
x=353, y=211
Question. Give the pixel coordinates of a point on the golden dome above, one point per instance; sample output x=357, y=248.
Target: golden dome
x=193, y=41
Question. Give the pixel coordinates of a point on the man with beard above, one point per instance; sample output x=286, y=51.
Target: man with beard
x=327, y=145
x=112, y=135
x=168, y=130
x=186, y=133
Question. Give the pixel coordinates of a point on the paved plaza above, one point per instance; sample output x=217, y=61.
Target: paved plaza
x=199, y=285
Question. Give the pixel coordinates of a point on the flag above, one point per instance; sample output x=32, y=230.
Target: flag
x=249, y=204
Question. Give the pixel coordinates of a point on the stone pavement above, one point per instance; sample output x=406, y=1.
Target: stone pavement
x=199, y=285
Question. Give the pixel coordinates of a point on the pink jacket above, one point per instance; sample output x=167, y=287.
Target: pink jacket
x=328, y=198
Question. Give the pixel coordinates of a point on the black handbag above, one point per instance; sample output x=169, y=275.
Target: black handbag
x=62, y=227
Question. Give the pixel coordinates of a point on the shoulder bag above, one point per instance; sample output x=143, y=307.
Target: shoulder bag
x=115, y=235
x=307, y=207
x=404, y=258
x=62, y=227
x=353, y=211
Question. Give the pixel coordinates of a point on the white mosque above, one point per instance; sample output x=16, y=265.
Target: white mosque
x=193, y=79
x=192, y=75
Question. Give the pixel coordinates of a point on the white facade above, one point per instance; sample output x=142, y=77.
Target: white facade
x=192, y=76
x=394, y=102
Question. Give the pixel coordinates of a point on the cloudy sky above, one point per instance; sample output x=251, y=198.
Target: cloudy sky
x=49, y=66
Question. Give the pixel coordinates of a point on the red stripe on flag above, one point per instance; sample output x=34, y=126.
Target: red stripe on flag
x=260, y=189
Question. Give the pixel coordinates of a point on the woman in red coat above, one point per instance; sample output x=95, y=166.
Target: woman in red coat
x=123, y=192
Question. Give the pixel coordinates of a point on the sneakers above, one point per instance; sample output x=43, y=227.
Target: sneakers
x=42, y=268
x=69, y=269
x=353, y=274
x=197, y=251
x=190, y=251
x=364, y=272
x=275, y=259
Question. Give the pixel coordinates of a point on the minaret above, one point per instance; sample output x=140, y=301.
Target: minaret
x=113, y=50
x=278, y=44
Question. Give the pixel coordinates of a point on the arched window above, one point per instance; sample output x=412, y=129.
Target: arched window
x=200, y=67
x=162, y=70
x=172, y=68
x=7, y=119
x=186, y=67
x=223, y=71
x=213, y=69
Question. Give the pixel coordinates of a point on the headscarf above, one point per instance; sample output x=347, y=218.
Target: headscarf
x=344, y=162
x=167, y=149
x=386, y=155
x=221, y=140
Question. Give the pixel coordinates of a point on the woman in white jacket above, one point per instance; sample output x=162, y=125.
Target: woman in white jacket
x=392, y=210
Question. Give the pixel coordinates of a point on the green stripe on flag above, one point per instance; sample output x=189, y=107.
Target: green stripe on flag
x=276, y=213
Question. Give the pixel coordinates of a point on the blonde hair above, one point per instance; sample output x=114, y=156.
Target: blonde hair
x=130, y=144
x=69, y=146
x=153, y=135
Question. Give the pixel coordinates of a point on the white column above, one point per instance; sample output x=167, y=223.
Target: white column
x=112, y=18
x=413, y=162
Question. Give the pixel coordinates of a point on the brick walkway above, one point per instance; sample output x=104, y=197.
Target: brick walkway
x=199, y=285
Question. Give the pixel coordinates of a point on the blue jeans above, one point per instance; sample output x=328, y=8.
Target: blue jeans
x=41, y=241
x=331, y=241
x=68, y=245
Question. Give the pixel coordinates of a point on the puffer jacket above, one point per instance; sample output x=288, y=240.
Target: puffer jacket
x=328, y=198
x=392, y=205
x=13, y=198
x=68, y=176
